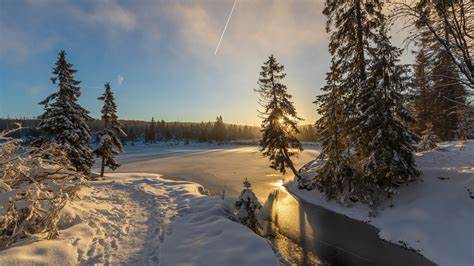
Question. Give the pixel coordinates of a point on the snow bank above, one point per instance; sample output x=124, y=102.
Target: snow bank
x=143, y=219
x=434, y=216
x=204, y=236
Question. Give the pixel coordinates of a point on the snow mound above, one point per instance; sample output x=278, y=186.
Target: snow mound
x=434, y=216
x=143, y=219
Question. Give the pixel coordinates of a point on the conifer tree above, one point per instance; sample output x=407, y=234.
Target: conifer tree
x=385, y=145
x=335, y=174
x=440, y=97
x=428, y=139
x=219, y=130
x=450, y=95
x=110, y=145
x=64, y=119
x=247, y=206
x=366, y=147
x=423, y=90
x=279, y=125
x=352, y=27
x=150, y=134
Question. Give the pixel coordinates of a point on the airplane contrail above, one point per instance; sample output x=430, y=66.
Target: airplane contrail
x=225, y=27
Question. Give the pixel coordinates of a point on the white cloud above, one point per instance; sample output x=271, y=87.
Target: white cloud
x=112, y=15
x=120, y=80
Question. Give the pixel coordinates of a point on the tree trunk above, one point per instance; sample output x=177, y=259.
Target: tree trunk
x=102, y=167
x=290, y=164
x=293, y=169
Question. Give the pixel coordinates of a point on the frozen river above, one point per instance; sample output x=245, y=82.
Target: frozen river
x=305, y=234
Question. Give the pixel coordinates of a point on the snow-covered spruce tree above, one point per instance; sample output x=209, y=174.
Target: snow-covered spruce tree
x=279, y=126
x=110, y=145
x=352, y=27
x=384, y=144
x=247, y=206
x=65, y=120
x=335, y=173
x=428, y=139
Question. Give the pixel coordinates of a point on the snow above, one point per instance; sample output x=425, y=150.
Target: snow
x=143, y=219
x=434, y=216
x=139, y=151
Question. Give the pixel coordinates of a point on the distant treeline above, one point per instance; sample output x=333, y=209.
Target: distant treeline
x=153, y=131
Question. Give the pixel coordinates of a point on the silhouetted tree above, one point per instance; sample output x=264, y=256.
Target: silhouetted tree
x=219, y=130
x=150, y=134
x=279, y=125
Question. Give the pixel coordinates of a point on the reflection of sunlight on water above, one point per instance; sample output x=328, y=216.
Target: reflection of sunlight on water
x=279, y=184
x=284, y=213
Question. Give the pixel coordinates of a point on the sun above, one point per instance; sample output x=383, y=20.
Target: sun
x=281, y=120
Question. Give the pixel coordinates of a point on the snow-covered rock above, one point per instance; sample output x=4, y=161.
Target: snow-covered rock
x=434, y=216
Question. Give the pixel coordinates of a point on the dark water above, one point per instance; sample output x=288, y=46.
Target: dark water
x=307, y=234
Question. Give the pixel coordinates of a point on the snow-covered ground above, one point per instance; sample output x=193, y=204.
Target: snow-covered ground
x=142, y=219
x=434, y=216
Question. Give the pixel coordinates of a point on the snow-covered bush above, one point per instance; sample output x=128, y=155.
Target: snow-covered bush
x=247, y=206
x=35, y=184
x=428, y=139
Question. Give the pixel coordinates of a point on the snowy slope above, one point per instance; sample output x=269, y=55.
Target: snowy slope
x=434, y=216
x=143, y=219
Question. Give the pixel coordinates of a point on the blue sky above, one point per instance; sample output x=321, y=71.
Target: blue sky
x=159, y=55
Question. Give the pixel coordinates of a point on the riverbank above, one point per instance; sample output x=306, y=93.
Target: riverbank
x=433, y=216
x=143, y=219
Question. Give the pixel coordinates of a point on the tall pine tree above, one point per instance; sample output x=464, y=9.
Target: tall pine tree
x=366, y=147
x=385, y=145
x=450, y=95
x=64, y=119
x=110, y=145
x=335, y=174
x=352, y=27
x=423, y=106
x=279, y=125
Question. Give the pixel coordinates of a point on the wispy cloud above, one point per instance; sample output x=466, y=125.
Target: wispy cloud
x=16, y=45
x=272, y=26
x=120, y=80
x=13, y=44
x=109, y=14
